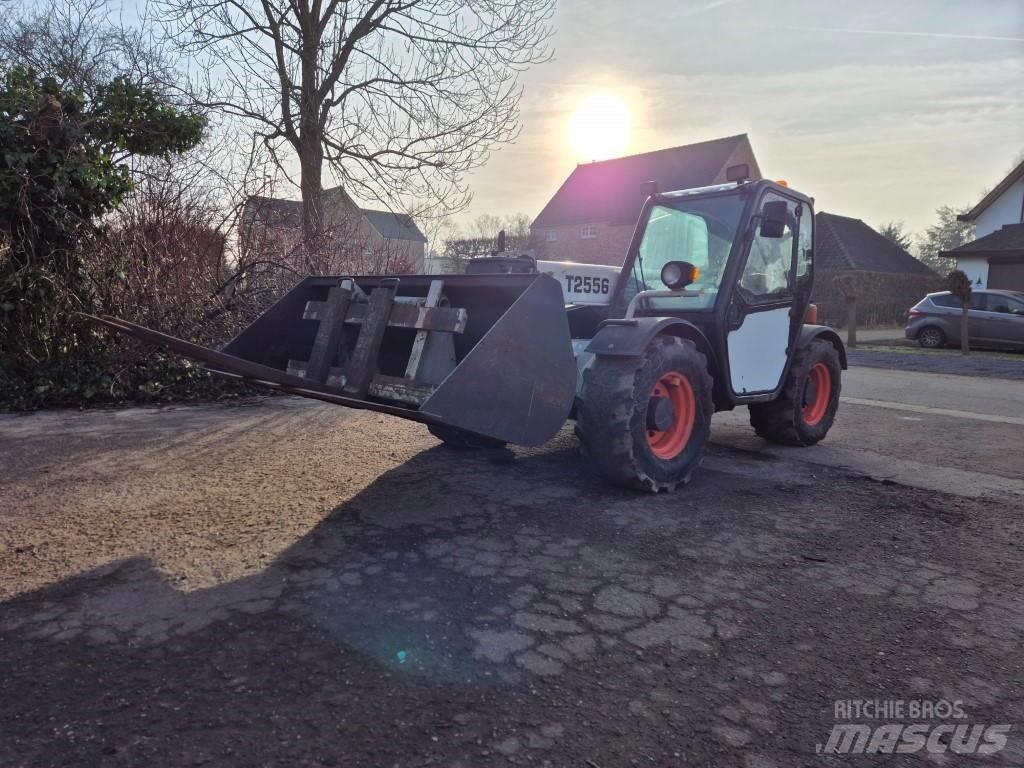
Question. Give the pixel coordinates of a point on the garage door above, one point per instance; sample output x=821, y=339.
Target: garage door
x=1008, y=276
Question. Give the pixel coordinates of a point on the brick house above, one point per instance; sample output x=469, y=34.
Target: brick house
x=362, y=237
x=591, y=217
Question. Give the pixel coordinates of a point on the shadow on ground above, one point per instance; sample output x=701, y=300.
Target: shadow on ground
x=507, y=608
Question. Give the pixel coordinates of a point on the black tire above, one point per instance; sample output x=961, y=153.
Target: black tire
x=461, y=440
x=783, y=419
x=931, y=337
x=612, y=424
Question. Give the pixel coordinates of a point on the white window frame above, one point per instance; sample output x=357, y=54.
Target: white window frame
x=588, y=232
x=551, y=235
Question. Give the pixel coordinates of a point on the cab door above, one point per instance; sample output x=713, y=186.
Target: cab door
x=760, y=316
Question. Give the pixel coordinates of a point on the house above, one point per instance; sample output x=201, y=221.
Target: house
x=365, y=237
x=996, y=258
x=591, y=217
x=890, y=280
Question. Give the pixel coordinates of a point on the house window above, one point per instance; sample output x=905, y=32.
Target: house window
x=588, y=232
x=551, y=235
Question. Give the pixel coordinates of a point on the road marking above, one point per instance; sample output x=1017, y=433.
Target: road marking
x=934, y=411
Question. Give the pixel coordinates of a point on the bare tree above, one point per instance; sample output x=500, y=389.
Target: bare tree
x=399, y=97
x=481, y=238
x=80, y=44
x=850, y=285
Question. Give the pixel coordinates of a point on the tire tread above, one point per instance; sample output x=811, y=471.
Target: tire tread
x=610, y=405
x=779, y=420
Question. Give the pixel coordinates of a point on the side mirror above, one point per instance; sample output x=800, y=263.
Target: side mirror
x=773, y=218
x=676, y=275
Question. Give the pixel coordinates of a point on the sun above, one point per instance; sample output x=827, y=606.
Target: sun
x=599, y=128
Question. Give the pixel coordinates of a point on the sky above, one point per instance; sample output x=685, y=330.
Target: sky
x=880, y=109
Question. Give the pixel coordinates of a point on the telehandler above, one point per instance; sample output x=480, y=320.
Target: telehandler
x=708, y=311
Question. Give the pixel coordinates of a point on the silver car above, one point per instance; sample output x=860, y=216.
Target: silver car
x=994, y=319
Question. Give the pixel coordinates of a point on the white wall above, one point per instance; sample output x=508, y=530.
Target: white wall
x=1005, y=210
x=976, y=268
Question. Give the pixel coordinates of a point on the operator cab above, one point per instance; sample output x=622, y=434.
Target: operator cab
x=751, y=246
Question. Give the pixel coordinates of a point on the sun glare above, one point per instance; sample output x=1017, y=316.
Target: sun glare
x=599, y=128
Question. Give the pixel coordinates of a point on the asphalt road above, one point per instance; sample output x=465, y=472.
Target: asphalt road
x=951, y=433
x=988, y=364
x=980, y=395
x=290, y=583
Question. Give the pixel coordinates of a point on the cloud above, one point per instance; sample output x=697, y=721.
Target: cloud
x=901, y=33
x=710, y=5
x=874, y=121
x=879, y=141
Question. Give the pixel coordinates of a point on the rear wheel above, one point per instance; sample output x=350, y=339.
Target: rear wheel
x=461, y=440
x=645, y=421
x=931, y=337
x=803, y=412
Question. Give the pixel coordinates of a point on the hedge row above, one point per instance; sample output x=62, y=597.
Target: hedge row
x=883, y=297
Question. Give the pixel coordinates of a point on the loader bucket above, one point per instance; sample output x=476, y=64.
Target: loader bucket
x=489, y=354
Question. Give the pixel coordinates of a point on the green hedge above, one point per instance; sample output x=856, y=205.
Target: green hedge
x=884, y=297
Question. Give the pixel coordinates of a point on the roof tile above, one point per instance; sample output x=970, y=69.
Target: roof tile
x=843, y=244
x=1009, y=238
x=612, y=190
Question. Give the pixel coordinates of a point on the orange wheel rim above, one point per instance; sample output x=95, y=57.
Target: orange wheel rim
x=817, y=394
x=671, y=442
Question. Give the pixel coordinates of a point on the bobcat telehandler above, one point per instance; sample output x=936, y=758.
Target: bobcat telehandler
x=706, y=313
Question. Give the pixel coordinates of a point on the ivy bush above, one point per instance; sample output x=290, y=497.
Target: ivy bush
x=63, y=168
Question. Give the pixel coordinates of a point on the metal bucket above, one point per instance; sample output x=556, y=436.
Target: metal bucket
x=498, y=359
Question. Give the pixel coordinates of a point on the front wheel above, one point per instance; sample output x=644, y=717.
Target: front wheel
x=803, y=412
x=645, y=420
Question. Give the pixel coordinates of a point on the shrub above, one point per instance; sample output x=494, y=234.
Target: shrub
x=58, y=179
x=883, y=298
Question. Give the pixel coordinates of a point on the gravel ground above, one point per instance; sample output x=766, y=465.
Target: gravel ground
x=295, y=584
x=1003, y=366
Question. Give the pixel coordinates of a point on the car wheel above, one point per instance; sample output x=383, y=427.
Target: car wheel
x=931, y=337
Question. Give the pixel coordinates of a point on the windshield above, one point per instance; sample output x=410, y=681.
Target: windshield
x=700, y=231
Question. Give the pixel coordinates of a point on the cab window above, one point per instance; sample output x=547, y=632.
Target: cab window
x=698, y=230
x=805, y=252
x=766, y=275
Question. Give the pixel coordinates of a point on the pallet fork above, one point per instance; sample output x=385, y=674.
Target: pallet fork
x=486, y=354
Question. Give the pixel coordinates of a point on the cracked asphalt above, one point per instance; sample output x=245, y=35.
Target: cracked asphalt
x=289, y=583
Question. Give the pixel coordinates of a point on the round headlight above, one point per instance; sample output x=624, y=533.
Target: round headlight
x=672, y=274
x=678, y=274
